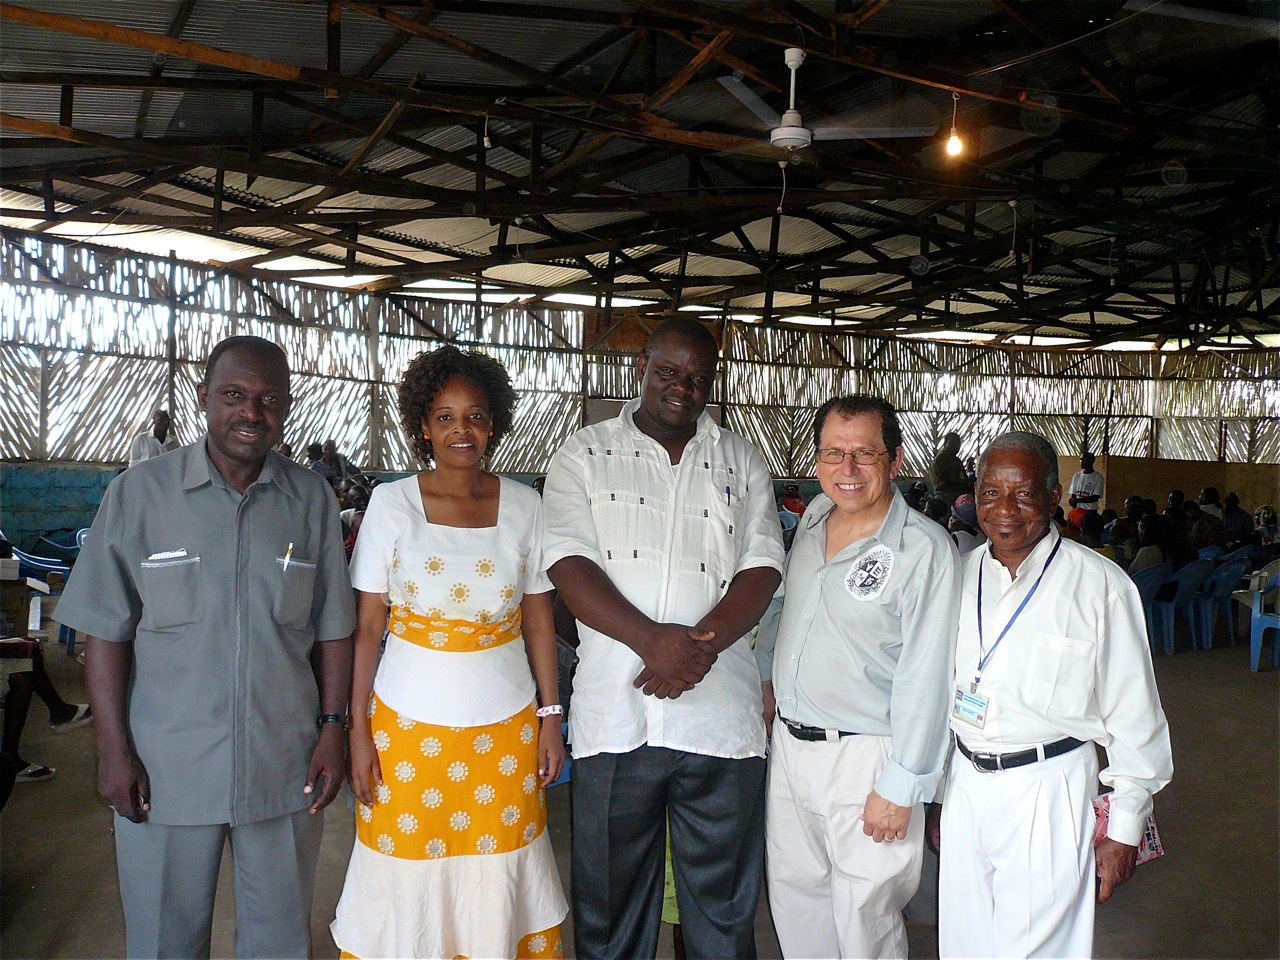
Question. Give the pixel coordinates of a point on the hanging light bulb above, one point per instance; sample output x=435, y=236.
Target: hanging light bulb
x=955, y=146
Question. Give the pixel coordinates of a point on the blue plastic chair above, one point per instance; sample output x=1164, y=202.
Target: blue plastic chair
x=66, y=544
x=1188, y=581
x=1148, y=581
x=1211, y=553
x=1216, y=592
x=29, y=565
x=1261, y=622
x=1245, y=552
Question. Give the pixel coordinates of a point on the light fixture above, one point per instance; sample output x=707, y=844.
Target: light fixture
x=955, y=146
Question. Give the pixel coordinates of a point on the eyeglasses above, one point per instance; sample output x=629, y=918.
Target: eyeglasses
x=863, y=458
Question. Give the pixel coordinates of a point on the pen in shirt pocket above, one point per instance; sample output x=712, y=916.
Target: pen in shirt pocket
x=288, y=555
x=728, y=499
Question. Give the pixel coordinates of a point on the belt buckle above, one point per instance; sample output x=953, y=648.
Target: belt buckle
x=995, y=759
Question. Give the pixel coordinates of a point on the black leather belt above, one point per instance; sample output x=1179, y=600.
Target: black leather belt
x=991, y=762
x=802, y=731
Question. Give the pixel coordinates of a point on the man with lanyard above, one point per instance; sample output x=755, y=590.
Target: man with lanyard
x=861, y=672
x=1051, y=658
x=215, y=591
x=662, y=537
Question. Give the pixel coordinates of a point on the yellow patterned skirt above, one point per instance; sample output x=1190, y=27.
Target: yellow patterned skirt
x=453, y=858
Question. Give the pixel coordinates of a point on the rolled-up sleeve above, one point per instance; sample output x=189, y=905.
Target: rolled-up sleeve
x=762, y=544
x=1139, y=756
x=918, y=715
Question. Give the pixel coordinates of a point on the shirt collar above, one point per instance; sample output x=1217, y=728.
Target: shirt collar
x=198, y=470
x=890, y=530
x=1034, y=560
x=706, y=426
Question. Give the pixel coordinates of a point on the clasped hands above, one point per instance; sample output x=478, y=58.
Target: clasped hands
x=676, y=658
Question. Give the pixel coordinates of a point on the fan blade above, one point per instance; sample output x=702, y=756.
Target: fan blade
x=749, y=99
x=871, y=133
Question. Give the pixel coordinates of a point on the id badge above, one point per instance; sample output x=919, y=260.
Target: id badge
x=970, y=707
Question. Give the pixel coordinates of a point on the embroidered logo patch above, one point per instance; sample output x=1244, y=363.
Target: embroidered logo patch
x=870, y=573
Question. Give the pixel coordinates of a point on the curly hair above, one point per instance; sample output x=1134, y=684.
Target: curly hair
x=427, y=376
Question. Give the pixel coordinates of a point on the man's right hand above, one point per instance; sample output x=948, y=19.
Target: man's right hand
x=123, y=783
x=676, y=658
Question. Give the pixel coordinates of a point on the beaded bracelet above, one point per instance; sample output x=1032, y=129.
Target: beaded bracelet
x=550, y=710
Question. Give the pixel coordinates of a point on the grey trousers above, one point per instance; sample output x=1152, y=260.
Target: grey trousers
x=622, y=804
x=169, y=875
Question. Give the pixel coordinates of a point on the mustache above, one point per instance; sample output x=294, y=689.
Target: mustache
x=257, y=427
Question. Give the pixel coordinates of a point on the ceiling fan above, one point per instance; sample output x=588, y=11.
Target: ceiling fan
x=788, y=130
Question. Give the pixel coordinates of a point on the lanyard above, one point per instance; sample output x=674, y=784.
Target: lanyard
x=982, y=663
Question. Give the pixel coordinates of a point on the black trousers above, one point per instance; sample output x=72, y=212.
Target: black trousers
x=622, y=804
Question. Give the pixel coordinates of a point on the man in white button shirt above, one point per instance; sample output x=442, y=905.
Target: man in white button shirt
x=1051, y=658
x=153, y=442
x=663, y=539
x=862, y=675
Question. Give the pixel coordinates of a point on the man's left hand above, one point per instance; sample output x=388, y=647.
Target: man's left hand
x=328, y=765
x=1114, y=865
x=884, y=821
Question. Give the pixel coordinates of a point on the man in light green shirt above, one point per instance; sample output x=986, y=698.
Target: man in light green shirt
x=860, y=673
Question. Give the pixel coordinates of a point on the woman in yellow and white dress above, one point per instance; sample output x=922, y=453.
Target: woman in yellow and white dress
x=449, y=761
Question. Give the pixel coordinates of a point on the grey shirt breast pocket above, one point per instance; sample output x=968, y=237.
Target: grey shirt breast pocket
x=172, y=592
x=293, y=591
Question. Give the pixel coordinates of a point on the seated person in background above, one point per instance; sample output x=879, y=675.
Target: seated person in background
x=1123, y=542
x=1109, y=517
x=1176, y=499
x=22, y=672
x=1238, y=522
x=936, y=509
x=964, y=524
x=916, y=495
x=1091, y=531
x=332, y=465
x=1205, y=528
x=1209, y=502
x=1265, y=519
x=1154, y=543
x=791, y=499
x=1075, y=517
x=353, y=526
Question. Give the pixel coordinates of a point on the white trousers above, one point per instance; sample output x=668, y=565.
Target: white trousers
x=1016, y=873
x=832, y=890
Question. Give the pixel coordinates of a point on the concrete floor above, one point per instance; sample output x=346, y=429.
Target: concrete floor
x=1215, y=894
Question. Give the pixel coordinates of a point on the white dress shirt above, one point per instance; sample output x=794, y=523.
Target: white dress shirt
x=671, y=537
x=145, y=446
x=1075, y=663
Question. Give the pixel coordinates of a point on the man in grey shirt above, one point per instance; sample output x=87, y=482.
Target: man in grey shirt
x=215, y=594
x=860, y=672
